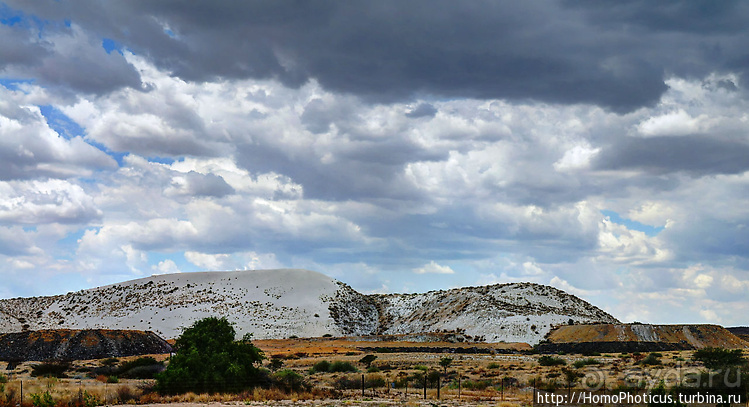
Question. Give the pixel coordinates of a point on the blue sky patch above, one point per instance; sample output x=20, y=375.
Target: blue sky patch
x=631, y=224
x=12, y=84
x=110, y=45
x=61, y=123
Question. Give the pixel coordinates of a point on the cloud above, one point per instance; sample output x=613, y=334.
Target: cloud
x=555, y=52
x=433, y=268
x=37, y=202
x=166, y=267
x=68, y=58
x=676, y=123
x=30, y=148
x=422, y=110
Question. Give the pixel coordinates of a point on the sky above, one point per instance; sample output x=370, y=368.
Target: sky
x=601, y=147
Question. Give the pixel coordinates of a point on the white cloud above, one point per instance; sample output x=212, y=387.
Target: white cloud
x=577, y=157
x=36, y=202
x=433, y=268
x=167, y=266
x=677, y=123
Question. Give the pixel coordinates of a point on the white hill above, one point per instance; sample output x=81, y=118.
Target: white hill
x=281, y=303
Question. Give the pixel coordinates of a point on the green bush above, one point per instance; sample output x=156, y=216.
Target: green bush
x=475, y=384
x=342, y=367
x=144, y=361
x=347, y=383
x=585, y=362
x=373, y=369
x=493, y=365
x=113, y=379
x=367, y=360
x=51, y=369
x=322, y=366
x=141, y=368
x=551, y=361
x=651, y=360
x=374, y=381
x=110, y=362
x=209, y=360
x=719, y=358
x=42, y=400
x=290, y=381
x=3, y=379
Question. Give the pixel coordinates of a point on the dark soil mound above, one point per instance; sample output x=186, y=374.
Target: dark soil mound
x=67, y=344
x=610, y=347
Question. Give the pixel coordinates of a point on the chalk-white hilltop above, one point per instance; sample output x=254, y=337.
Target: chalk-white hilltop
x=282, y=303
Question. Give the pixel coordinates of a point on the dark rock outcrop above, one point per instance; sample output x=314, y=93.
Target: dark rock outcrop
x=67, y=344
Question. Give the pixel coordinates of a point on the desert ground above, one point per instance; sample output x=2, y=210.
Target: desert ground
x=500, y=375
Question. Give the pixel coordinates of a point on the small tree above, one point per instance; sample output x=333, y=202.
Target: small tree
x=719, y=358
x=445, y=362
x=275, y=363
x=209, y=360
x=367, y=360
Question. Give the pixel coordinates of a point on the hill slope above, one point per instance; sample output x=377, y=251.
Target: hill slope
x=601, y=336
x=65, y=344
x=281, y=303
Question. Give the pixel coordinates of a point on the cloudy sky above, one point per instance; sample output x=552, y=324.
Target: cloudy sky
x=599, y=147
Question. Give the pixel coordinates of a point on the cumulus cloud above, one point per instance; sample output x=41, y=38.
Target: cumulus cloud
x=30, y=148
x=433, y=268
x=36, y=202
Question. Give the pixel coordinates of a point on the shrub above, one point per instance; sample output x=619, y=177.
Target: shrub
x=275, y=364
x=651, y=359
x=144, y=372
x=126, y=394
x=445, y=362
x=476, y=385
x=42, y=400
x=719, y=358
x=551, y=361
x=144, y=361
x=209, y=360
x=340, y=366
x=290, y=381
x=110, y=362
x=347, y=383
x=322, y=366
x=50, y=369
x=113, y=379
x=327, y=336
x=3, y=379
x=585, y=362
x=493, y=365
x=373, y=369
x=367, y=360
x=374, y=381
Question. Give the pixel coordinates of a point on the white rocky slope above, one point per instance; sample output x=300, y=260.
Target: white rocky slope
x=281, y=303
x=517, y=312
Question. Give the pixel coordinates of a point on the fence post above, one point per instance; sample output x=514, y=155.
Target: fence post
x=425, y=385
x=362, y=385
x=459, y=385
x=438, y=387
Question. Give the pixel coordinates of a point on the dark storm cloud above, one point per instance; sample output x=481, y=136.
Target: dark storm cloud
x=549, y=51
x=65, y=57
x=695, y=155
x=422, y=110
